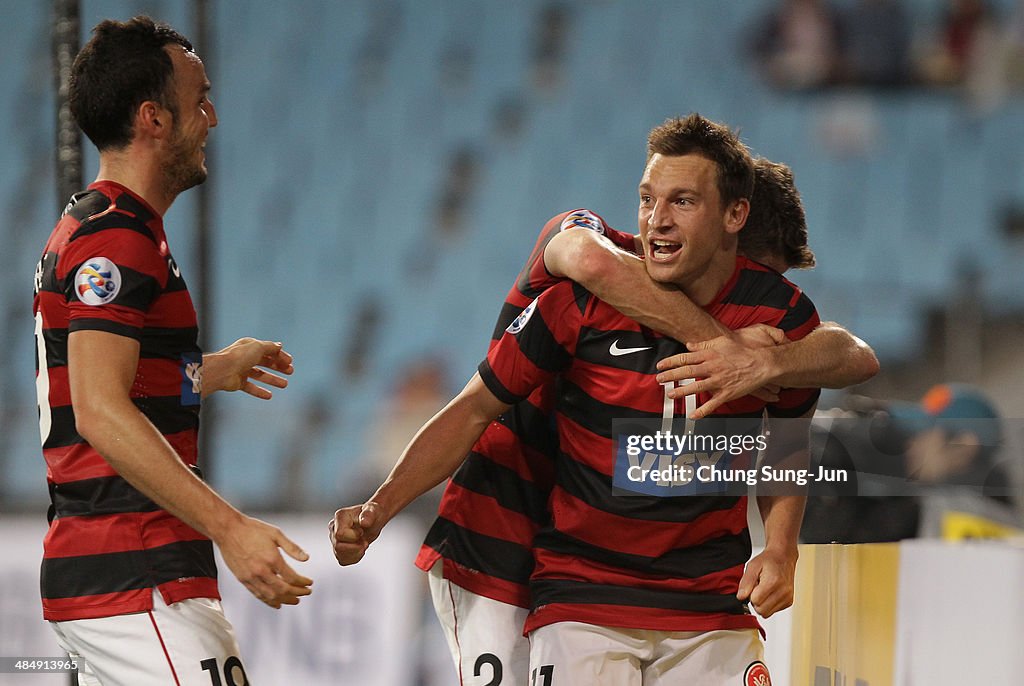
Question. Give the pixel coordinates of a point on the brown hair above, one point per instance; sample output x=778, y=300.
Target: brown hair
x=776, y=224
x=696, y=135
x=123, y=65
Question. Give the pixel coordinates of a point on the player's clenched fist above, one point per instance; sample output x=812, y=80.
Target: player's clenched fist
x=352, y=531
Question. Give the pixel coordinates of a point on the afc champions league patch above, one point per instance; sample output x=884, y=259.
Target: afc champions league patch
x=519, y=322
x=192, y=378
x=97, y=281
x=584, y=219
x=756, y=674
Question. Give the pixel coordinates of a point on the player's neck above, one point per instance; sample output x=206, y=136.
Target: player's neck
x=703, y=288
x=139, y=173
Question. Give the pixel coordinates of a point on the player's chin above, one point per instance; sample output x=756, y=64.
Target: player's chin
x=662, y=273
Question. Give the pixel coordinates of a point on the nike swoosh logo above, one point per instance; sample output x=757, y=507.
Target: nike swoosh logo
x=616, y=350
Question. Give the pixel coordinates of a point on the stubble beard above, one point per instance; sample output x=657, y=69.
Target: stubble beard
x=182, y=171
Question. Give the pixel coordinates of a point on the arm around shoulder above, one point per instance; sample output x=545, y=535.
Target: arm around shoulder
x=621, y=279
x=827, y=357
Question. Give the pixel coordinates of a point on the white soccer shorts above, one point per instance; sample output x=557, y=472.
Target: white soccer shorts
x=571, y=653
x=485, y=636
x=188, y=643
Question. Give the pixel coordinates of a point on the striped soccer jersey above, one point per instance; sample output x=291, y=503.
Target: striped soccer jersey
x=497, y=501
x=107, y=267
x=634, y=561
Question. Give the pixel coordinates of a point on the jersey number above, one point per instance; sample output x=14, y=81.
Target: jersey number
x=42, y=382
x=496, y=669
x=232, y=666
x=668, y=411
x=545, y=672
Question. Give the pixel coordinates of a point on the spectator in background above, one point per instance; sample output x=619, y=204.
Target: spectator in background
x=875, y=44
x=953, y=437
x=1013, y=46
x=903, y=453
x=796, y=45
x=966, y=28
x=549, y=50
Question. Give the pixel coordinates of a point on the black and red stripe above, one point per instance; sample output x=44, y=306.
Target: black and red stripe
x=108, y=544
x=641, y=555
x=497, y=501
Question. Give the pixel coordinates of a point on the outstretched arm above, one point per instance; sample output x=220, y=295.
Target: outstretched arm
x=434, y=453
x=621, y=280
x=130, y=443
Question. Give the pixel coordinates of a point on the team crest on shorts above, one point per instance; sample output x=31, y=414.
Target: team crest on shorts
x=97, y=281
x=585, y=219
x=756, y=674
x=519, y=322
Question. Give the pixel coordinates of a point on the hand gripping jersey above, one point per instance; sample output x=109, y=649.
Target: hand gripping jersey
x=497, y=501
x=107, y=267
x=636, y=561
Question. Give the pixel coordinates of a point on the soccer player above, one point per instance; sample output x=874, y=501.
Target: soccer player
x=478, y=551
x=488, y=502
x=128, y=575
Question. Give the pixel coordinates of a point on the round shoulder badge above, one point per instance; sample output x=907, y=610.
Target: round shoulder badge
x=584, y=219
x=756, y=674
x=519, y=322
x=97, y=281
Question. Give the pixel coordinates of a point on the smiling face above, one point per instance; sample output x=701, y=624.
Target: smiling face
x=688, y=236
x=193, y=115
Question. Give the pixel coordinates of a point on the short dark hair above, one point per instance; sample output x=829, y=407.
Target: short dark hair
x=696, y=135
x=123, y=65
x=776, y=224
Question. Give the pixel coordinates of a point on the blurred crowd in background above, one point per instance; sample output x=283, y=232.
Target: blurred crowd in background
x=395, y=187
x=968, y=45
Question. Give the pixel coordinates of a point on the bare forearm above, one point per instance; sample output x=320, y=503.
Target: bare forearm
x=140, y=455
x=828, y=357
x=438, y=448
x=782, y=516
x=620, y=279
x=666, y=310
x=782, y=503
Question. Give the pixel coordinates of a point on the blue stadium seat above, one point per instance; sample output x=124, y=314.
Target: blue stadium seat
x=338, y=127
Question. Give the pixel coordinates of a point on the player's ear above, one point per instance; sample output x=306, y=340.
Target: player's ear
x=736, y=215
x=152, y=120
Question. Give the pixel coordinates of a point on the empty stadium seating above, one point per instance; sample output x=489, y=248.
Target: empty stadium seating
x=338, y=121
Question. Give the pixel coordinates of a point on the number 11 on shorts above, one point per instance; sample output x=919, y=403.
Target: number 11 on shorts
x=545, y=672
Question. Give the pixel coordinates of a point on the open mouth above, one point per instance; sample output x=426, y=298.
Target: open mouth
x=662, y=250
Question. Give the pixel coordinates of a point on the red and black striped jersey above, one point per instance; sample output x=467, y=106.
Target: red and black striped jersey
x=634, y=561
x=497, y=501
x=107, y=267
